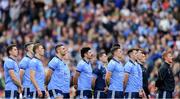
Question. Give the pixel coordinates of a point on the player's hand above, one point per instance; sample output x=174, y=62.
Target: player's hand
x=47, y=93
x=141, y=93
x=105, y=89
x=156, y=89
x=75, y=87
x=124, y=93
x=39, y=93
x=20, y=89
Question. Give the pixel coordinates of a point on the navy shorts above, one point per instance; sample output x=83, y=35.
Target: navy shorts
x=165, y=94
x=26, y=92
x=132, y=95
x=66, y=95
x=100, y=94
x=84, y=94
x=35, y=94
x=115, y=94
x=11, y=94
x=55, y=93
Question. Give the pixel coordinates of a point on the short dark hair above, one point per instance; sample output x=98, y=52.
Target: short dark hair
x=131, y=50
x=100, y=54
x=84, y=50
x=142, y=51
x=113, y=49
x=36, y=46
x=27, y=44
x=9, y=48
x=57, y=46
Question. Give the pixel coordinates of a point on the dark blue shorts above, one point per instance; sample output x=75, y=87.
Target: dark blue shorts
x=115, y=94
x=66, y=95
x=165, y=94
x=35, y=94
x=55, y=93
x=84, y=94
x=11, y=94
x=100, y=94
x=132, y=95
x=26, y=92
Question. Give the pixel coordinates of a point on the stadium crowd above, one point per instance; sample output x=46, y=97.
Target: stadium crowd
x=153, y=25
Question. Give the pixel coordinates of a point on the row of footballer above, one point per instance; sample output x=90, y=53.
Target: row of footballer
x=109, y=79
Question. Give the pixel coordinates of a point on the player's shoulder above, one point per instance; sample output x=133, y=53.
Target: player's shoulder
x=129, y=63
x=25, y=59
x=54, y=60
x=81, y=62
x=112, y=62
x=9, y=60
x=33, y=60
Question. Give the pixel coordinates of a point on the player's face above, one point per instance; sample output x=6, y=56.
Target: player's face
x=141, y=57
x=30, y=48
x=119, y=53
x=103, y=58
x=14, y=52
x=134, y=54
x=63, y=50
x=67, y=56
x=89, y=54
x=41, y=50
x=169, y=58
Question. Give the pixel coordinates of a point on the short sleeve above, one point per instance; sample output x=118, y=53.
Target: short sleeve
x=23, y=64
x=111, y=66
x=52, y=64
x=9, y=65
x=79, y=67
x=127, y=67
x=33, y=65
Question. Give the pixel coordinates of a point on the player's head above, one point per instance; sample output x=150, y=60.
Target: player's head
x=167, y=56
x=38, y=49
x=141, y=55
x=61, y=49
x=132, y=53
x=12, y=50
x=102, y=56
x=117, y=52
x=29, y=47
x=86, y=53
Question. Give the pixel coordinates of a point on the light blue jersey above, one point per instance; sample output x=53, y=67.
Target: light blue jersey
x=60, y=78
x=140, y=76
x=24, y=64
x=10, y=64
x=37, y=66
x=117, y=70
x=85, y=78
x=133, y=81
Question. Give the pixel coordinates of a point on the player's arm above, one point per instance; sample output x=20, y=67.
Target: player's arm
x=21, y=74
x=93, y=82
x=95, y=75
x=32, y=78
x=75, y=80
x=108, y=76
x=14, y=78
x=48, y=76
x=126, y=76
